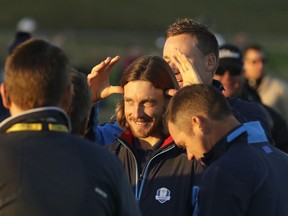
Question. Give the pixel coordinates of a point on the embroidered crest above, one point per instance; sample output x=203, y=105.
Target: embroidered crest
x=163, y=195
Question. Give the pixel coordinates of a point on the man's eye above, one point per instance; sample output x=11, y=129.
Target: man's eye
x=148, y=104
x=128, y=101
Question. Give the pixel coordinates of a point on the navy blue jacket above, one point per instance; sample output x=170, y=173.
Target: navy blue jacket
x=163, y=184
x=245, y=176
x=44, y=170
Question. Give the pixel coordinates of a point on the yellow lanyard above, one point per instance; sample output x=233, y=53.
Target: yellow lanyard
x=37, y=127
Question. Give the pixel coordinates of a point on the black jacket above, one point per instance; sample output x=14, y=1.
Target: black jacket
x=46, y=171
x=164, y=187
x=245, y=176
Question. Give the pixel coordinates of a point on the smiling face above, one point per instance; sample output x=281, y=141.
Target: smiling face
x=187, y=45
x=143, y=108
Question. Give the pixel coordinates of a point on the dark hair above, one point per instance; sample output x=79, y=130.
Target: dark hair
x=153, y=69
x=198, y=99
x=36, y=74
x=81, y=102
x=206, y=40
x=258, y=48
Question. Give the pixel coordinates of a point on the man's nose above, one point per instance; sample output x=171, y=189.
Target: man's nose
x=138, y=111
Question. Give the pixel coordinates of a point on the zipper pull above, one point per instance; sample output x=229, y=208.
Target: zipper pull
x=140, y=177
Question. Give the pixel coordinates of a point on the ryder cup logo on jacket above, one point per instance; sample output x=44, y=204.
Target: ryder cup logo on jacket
x=163, y=195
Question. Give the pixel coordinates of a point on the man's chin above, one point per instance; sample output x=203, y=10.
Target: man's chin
x=140, y=132
x=145, y=130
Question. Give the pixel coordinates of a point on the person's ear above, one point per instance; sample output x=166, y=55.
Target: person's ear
x=211, y=62
x=5, y=97
x=198, y=124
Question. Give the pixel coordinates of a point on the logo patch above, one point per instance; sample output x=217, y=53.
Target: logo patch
x=163, y=195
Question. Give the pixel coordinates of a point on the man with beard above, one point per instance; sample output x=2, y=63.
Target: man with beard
x=192, y=52
x=158, y=170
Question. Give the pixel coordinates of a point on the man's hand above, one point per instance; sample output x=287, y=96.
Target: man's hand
x=98, y=80
x=170, y=92
x=187, y=69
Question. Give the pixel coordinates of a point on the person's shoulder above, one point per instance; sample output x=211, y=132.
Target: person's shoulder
x=240, y=159
x=248, y=111
x=275, y=81
x=114, y=148
x=247, y=107
x=236, y=102
x=90, y=151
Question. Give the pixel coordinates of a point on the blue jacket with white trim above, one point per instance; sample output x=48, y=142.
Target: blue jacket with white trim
x=245, y=176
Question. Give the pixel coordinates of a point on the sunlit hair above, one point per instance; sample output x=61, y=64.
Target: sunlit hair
x=206, y=41
x=197, y=100
x=36, y=74
x=147, y=68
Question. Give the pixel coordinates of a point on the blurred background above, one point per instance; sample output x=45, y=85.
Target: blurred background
x=89, y=31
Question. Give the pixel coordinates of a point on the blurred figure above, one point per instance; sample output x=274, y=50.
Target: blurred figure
x=230, y=70
x=26, y=24
x=44, y=170
x=245, y=175
x=230, y=74
x=24, y=31
x=272, y=91
x=20, y=37
x=81, y=104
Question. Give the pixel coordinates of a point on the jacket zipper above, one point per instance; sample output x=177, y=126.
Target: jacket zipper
x=145, y=171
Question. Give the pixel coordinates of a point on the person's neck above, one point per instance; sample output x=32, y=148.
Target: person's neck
x=15, y=110
x=255, y=82
x=219, y=130
x=148, y=142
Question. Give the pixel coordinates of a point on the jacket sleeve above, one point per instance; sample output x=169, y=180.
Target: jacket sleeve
x=101, y=134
